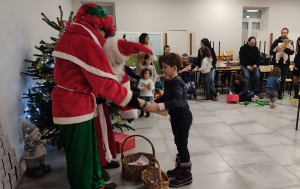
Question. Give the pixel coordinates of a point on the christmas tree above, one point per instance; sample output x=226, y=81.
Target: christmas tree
x=39, y=104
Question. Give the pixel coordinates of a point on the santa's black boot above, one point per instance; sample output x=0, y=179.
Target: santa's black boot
x=296, y=90
x=105, y=175
x=110, y=186
x=183, y=177
x=35, y=172
x=172, y=173
x=46, y=168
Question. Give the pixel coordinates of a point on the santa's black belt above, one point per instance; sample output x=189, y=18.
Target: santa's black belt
x=100, y=100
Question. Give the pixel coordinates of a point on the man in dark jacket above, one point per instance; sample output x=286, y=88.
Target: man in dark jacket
x=166, y=51
x=283, y=67
x=250, y=60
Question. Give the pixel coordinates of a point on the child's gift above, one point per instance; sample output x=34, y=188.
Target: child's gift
x=143, y=103
x=232, y=98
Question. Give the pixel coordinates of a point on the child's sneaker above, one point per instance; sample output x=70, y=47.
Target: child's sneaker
x=141, y=114
x=183, y=177
x=284, y=62
x=147, y=114
x=172, y=173
x=277, y=62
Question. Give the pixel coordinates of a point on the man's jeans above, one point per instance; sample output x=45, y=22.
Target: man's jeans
x=191, y=89
x=181, y=125
x=256, y=78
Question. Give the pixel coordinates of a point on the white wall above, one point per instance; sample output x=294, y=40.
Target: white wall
x=218, y=20
x=21, y=29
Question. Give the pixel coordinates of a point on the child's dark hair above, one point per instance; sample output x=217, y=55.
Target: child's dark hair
x=144, y=71
x=276, y=72
x=187, y=64
x=238, y=77
x=172, y=60
x=205, y=52
x=145, y=58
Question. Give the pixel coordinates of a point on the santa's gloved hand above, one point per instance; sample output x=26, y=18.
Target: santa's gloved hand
x=130, y=120
x=100, y=100
x=134, y=102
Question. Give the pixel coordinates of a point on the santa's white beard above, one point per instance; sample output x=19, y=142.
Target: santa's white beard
x=116, y=59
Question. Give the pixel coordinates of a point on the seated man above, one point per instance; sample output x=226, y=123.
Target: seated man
x=250, y=60
x=188, y=78
x=185, y=59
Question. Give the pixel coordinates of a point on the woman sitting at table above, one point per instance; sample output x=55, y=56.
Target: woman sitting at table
x=239, y=85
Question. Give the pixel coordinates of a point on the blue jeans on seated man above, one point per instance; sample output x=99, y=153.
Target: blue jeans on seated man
x=191, y=89
x=246, y=97
x=212, y=78
x=256, y=78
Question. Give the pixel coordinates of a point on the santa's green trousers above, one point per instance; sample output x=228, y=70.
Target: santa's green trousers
x=80, y=143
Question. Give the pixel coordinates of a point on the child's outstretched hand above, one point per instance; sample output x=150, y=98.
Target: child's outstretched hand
x=151, y=107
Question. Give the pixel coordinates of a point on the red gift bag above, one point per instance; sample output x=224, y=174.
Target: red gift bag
x=119, y=139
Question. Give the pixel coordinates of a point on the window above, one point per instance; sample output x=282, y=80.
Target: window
x=252, y=23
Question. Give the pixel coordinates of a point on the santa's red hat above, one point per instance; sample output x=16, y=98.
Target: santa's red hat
x=95, y=16
x=127, y=48
x=118, y=52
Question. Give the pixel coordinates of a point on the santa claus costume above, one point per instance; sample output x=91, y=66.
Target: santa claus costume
x=117, y=52
x=82, y=71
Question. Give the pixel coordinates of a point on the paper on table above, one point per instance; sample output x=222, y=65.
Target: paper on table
x=141, y=161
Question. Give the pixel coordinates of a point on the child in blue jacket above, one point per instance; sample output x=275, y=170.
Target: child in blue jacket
x=273, y=85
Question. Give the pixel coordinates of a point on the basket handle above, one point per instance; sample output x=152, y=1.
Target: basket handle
x=153, y=150
x=158, y=167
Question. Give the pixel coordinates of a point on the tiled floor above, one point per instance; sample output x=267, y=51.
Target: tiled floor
x=231, y=146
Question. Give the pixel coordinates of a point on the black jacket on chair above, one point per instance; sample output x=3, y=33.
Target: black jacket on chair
x=249, y=55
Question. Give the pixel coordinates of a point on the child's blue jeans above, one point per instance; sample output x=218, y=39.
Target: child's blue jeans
x=181, y=125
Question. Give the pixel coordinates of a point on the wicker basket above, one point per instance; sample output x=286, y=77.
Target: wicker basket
x=133, y=172
x=154, y=173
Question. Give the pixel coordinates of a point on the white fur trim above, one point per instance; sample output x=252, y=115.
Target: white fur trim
x=153, y=57
x=126, y=85
x=127, y=98
x=91, y=34
x=116, y=59
x=103, y=126
x=84, y=65
x=129, y=114
x=72, y=120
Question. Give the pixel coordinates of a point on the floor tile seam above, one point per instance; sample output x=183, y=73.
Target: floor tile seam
x=272, y=157
x=277, y=131
x=268, y=145
x=285, y=166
